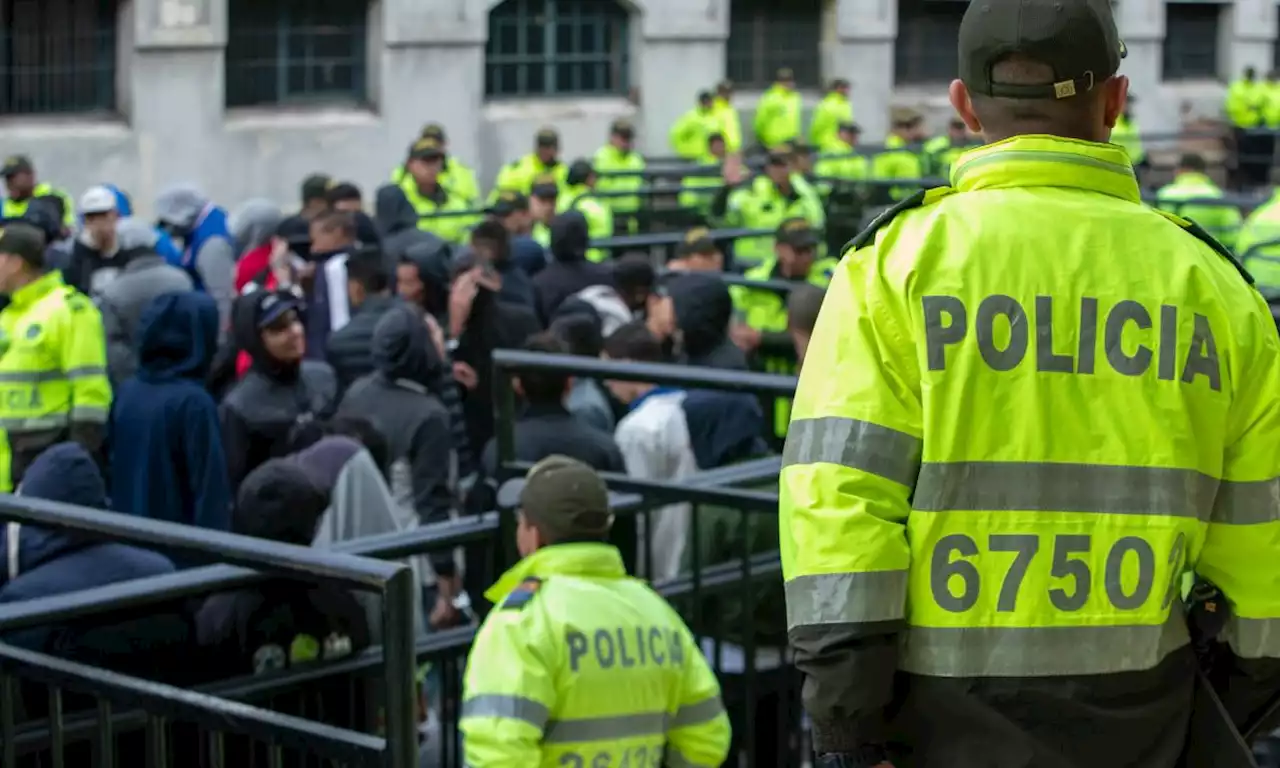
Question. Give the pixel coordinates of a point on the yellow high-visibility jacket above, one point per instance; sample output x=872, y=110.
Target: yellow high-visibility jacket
x=53, y=371
x=1221, y=221
x=580, y=665
x=1253, y=244
x=1030, y=404
x=14, y=209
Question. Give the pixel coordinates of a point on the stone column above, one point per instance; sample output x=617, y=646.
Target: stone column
x=863, y=54
x=681, y=52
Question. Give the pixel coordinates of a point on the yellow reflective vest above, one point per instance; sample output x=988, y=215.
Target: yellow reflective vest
x=1246, y=103
x=1221, y=221
x=450, y=226
x=609, y=158
x=759, y=205
x=53, y=371
x=456, y=177
x=833, y=110
x=1014, y=433
x=518, y=176
x=1259, y=245
x=729, y=123
x=599, y=219
x=581, y=665
x=778, y=116
x=898, y=161
x=1126, y=135
x=14, y=209
x=690, y=133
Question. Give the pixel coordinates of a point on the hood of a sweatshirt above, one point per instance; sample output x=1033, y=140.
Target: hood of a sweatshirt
x=180, y=206
x=569, y=239
x=67, y=474
x=177, y=337
x=323, y=461
x=253, y=224
x=402, y=348
x=392, y=211
x=279, y=501
x=434, y=261
x=703, y=308
x=245, y=313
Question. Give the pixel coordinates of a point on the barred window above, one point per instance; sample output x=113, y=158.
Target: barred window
x=768, y=35
x=1191, y=41
x=296, y=52
x=557, y=47
x=926, y=51
x=57, y=56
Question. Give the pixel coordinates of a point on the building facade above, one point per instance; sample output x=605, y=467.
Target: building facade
x=246, y=97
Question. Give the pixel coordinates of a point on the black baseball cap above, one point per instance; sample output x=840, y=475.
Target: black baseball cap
x=547, y=137
x=545, y=186
x=316, y=186
x=797, y=233
x=23, y=240
x=697, y=240
x=1078, y=39
x=508, y=202
x=563, y=497
x=624, y=128
x=273, y=305
x=850, y=126
x=785, y=74
x=15, y=164
x=426, y=149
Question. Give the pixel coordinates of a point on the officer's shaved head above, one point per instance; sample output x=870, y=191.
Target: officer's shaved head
x=1078, y=117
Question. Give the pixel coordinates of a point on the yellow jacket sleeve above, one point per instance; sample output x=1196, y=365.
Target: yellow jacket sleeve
x=84, y=361
x=849, y=466
x=508, y=691
x=700, y=731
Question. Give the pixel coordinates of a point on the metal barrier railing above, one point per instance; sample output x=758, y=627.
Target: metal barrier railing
x=392, y=580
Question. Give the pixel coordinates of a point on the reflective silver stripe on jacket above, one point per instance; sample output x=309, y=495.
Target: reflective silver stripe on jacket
x=506, y=706
x=1254, y=638
x=998, y=486
x=606, y=728
x=846, y=598
x=856, y=444
x=1039, y=651
x=1247, y=502
x=41, y=377
x=698, y=713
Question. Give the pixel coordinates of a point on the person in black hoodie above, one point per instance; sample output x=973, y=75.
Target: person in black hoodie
x=280, y=389
x=368, y=290
x=703, y=308
x=283, y=622
x=491, y=248
x=569, y=270
x=398, y=224
x=545, y=427
x=423, y=278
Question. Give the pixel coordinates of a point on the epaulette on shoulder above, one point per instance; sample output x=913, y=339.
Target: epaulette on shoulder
x=77, y=301
x=920, y=198
x=1197, y=231
x=521, y=595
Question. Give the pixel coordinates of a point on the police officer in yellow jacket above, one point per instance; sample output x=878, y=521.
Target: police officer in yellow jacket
x=579, y=664
x=53, y=375
x=441, y=211
x=21, y=188
x=456, y=176
x=579, y=195
x=1029, y=405
x=620, y=158
x=545, y=159
x=764, y=202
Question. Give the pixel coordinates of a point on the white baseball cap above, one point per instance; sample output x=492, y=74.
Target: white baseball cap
x=97, y=200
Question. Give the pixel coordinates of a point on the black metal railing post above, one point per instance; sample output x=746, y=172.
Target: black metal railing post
x=399, y=668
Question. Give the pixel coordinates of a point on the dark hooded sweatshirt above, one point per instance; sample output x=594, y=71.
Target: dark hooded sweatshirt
x=398, y=223
x=280, y=623
x=493, y=324
x=569, y=270
x=261, y=410
x=402, y=401
x=167, y=458
x=703, y=308
x=349, y=350
x=54, y=562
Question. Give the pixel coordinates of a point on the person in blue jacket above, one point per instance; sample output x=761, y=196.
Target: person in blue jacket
x=167, y=459
x=208, y=247
x=49, y=562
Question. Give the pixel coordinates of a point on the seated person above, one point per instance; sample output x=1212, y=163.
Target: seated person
x=280, y=623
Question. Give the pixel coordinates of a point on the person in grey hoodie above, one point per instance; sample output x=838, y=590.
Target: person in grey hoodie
x=253, y=223
x=144, y=277
x=208, y=253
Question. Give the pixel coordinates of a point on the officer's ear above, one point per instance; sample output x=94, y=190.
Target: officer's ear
x=1115, y=97
x=963, y=105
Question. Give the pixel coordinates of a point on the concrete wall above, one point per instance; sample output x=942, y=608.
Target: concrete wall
x=427, y=64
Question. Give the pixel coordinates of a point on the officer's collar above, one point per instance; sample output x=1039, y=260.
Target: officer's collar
x=37, y=289
x=1047, y=161
x=601, y=560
